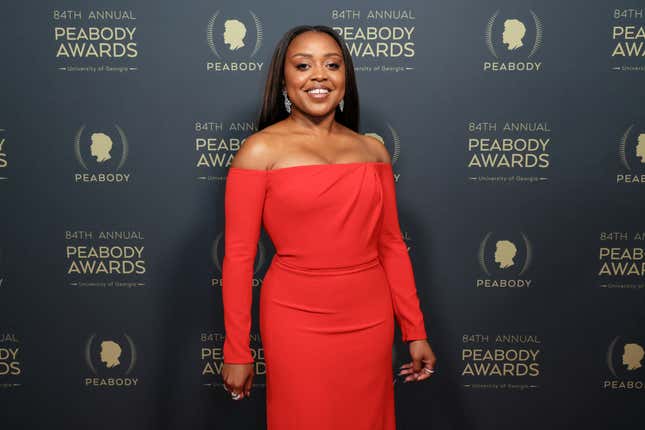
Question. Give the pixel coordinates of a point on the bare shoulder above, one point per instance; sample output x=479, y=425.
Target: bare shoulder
x=255, y=152
x=376, y=148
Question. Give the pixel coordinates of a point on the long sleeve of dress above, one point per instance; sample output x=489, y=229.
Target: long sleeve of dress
x=244, y=203
x=395, y=259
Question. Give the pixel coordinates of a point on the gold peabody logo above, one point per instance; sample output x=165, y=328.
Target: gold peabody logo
x=379, y=40
x=217, y=256
x=621, y=258
x=230, y=38
x=10, y=364
x=504, y=259
x=510, y=39
x=631, y=153
x=105, y=258
x=625, y=362
x=107, y=38
x=511, y=146
x=111, y=361
x=104, y=152
x=506, y=361
x=629, y=40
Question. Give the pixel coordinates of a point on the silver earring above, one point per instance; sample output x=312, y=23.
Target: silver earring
x=287, y=102
x=341, y=105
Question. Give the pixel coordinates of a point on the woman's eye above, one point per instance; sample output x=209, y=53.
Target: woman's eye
x=303, y=66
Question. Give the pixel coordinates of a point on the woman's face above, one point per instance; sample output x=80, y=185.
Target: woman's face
x=314, y=60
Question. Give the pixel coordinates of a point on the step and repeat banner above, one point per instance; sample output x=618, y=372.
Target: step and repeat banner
x=517, y=132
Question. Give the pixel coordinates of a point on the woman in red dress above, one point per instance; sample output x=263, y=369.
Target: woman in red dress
x=341, y=275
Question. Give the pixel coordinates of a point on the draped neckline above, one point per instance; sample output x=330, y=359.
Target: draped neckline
x=305, y=166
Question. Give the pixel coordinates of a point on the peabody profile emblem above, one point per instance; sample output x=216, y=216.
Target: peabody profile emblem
x=505, y=251
x=234, y=32
x=514, y=31
x=513, y=34
x=228, y=35
x=631, y=357
x=101, y=145
x=631, y=153
x=512, y=42
x=110, y=353
x=505, y=254
x=639, y=149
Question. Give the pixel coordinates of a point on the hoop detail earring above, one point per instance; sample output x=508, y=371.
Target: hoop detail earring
x=341, y=105
x=287, y=102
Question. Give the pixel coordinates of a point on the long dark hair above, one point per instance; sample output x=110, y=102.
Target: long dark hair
x=273, y=103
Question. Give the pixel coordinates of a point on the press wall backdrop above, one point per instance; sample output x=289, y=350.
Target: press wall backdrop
x=517, y=132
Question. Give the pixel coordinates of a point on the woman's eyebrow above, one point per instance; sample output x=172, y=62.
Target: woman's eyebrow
x=303, y=54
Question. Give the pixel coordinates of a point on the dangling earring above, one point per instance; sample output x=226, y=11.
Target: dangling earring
x=287, y=102
x=341, y=105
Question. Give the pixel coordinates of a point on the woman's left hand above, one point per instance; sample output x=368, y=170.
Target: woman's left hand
x=422, y=357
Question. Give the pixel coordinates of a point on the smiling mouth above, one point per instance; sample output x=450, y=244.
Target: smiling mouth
x=318, y=91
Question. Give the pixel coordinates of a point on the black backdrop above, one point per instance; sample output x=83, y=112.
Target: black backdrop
x=514, y=127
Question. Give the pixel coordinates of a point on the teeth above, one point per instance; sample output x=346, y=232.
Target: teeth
x=318, y=91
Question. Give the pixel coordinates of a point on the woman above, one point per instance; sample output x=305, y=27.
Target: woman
x=341, y=273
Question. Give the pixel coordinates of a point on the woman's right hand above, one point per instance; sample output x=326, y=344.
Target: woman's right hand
x=238, y=378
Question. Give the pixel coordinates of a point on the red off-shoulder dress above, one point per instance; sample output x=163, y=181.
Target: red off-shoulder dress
x=340, y=277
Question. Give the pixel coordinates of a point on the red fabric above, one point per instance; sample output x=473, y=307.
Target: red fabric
x=243, y=203
x=340, y=275
x=395, y=259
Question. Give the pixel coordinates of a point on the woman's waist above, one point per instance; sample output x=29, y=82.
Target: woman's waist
x=329, y=266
